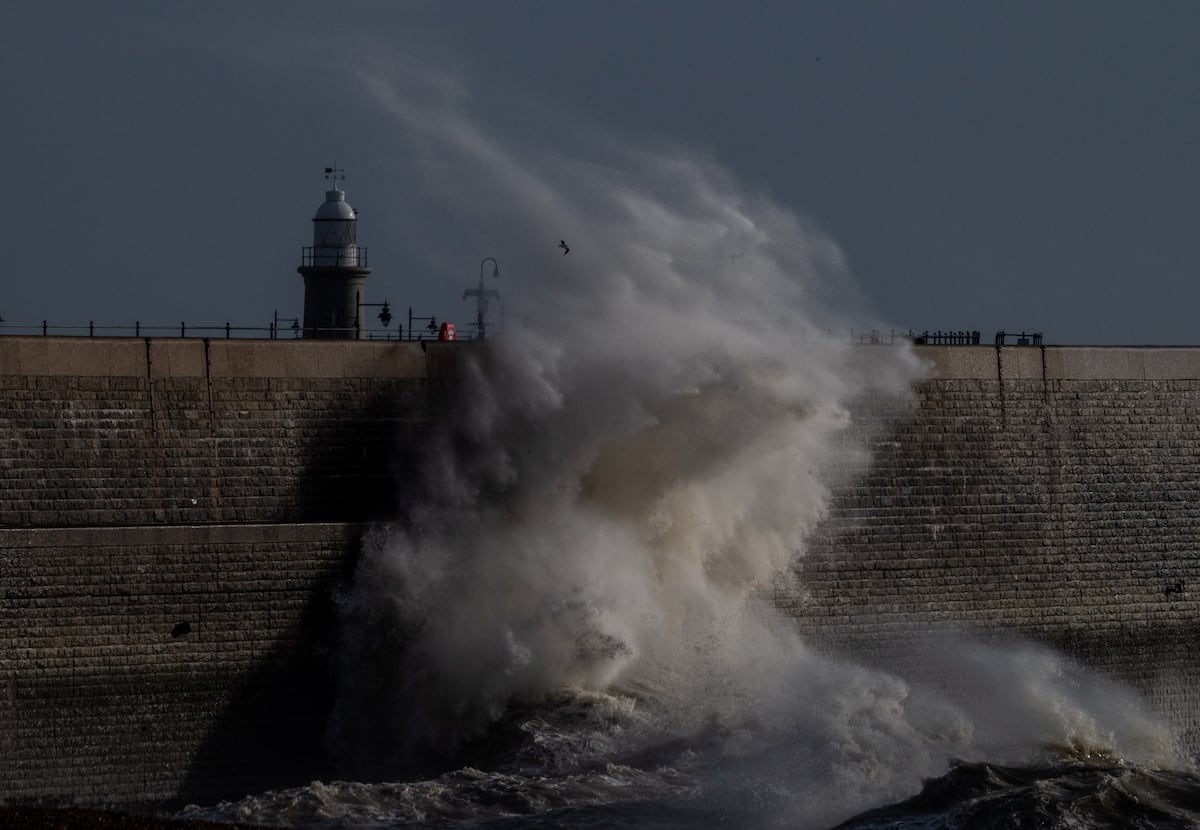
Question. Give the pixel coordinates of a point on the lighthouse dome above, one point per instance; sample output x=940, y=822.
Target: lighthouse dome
x=335, y=206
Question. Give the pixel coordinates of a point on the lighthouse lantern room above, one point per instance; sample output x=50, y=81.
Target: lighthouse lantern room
x=334, y=268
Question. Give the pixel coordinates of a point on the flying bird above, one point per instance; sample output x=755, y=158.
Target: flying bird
x=562, y=243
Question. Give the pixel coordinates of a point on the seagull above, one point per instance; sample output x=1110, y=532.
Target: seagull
x=562, y=243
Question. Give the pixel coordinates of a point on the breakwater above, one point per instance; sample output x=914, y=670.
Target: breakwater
x=176, y=514
x=1038, y=492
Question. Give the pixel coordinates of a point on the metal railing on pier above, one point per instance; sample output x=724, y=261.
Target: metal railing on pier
x=135, y=329
x=944, y=338
x=1021, y=338
x=273, y=330
x=877, y=337
x=932, y=338
x=947, y=338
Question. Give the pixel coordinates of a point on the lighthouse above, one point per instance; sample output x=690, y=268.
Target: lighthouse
x=334, y=269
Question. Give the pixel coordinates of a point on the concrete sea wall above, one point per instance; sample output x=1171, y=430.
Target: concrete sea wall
x=141, y=665
x=175, y=516
x=1047, y=493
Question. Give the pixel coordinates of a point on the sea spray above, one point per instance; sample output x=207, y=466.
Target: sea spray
x=626, y=467
x=631, y=459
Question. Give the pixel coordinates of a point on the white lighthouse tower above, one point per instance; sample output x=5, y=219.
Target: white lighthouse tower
x=334, y=269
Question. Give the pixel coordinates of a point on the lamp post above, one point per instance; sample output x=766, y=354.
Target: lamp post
x=295, y=321
x=432, y=327
x=385, y=316
x=482, y=295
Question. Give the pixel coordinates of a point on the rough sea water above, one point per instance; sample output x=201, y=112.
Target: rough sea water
x=565, y=624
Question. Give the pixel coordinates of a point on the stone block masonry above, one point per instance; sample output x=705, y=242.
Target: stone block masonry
x=175, y=516
x=1048, y=494
x=153, y=665
x=131, y=432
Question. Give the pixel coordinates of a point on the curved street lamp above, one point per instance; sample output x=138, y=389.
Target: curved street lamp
x=385, y=316
x=482, y=295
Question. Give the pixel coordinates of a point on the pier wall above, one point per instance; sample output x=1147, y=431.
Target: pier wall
x=176, y=516
x=1050, y=494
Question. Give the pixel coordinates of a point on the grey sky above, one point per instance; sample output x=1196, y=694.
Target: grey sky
x=981, y=165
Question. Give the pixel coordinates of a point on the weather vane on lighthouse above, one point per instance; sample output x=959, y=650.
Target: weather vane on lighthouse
x=335, y=174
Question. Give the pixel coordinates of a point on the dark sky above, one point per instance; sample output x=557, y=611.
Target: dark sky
x=1007, y=165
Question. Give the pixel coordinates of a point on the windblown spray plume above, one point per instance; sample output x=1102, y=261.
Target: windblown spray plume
x=647, y=444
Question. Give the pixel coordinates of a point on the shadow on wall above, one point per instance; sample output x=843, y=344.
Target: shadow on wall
x=359, y=461
x=272, y=731
x=382, y=727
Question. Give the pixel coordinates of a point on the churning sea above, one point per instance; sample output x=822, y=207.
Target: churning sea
x=1063, y=793
x=599, y=760
x=1072, y=793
